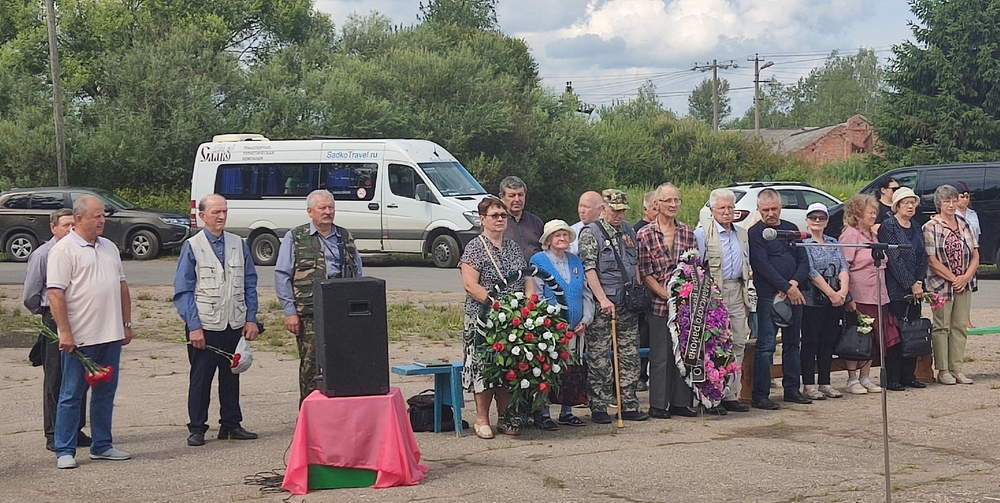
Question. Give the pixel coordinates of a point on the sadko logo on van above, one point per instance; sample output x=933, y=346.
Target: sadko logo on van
x=218, y=154
x=350, y=155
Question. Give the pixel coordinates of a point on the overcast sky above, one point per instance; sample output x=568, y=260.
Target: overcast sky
x=607, y=48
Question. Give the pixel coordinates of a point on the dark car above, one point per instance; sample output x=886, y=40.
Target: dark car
x=983, y=180
x=142, y=233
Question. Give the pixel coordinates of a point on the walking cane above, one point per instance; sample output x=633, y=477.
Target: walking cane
x=614, y=362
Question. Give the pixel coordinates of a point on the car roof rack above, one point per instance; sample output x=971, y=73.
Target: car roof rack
x=757, y=185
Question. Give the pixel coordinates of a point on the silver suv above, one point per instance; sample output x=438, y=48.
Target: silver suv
x=795, y=198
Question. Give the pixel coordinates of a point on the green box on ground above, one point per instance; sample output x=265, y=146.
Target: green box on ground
x=335, y=477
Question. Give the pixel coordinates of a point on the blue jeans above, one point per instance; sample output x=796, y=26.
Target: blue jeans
x=102, y=399
x=766, y=335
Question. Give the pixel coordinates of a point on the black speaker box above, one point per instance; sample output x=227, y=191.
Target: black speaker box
x=352, y=336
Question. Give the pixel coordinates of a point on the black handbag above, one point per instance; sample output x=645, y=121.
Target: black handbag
x=421, y=413
x=853, y=345
x=829, y=275
x=915, y=337
x=634, y=296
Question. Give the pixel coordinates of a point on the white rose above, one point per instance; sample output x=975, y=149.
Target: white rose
x=550, y=309
x=527, y=354
x=524, y=383
x=513, y=303
x=543, y=346
x=519, y=295
x=539, y=321
x=547, y=335
x=553, y=355
x=529, y=324
x=511, y=337
x=516, y=350
x=556, y=368
x=489, y=323
x=558, y=309
x=536, y=371
x=502, y=317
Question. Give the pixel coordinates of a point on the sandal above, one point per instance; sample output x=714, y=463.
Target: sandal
x=546, y=423
x=571, y=420
x=484, y=431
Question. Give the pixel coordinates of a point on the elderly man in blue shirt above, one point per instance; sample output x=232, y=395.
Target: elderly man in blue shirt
x=309, y=253
x=723, y=247
x=35, y=300
x=215, y=292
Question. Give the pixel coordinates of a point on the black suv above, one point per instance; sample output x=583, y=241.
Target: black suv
x=24, y=222
x=983, y=180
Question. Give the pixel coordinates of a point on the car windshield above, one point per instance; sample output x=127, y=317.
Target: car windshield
x=118, y=202
x=451, y=179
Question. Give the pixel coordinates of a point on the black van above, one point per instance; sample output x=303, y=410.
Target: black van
x=983, y=180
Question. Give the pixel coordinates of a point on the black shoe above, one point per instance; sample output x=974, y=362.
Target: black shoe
x=195, y=439
x=718, y=410
x=50, y=445
x=659, y=413
x=895, y=386
x=600, y=417
x=915, y=384
x=735, y=406
x=237, y=433
x=82, y=440
x=546, y=423
x=683, y=411
x=797, y=398
x=634, y=415
x=765, y=403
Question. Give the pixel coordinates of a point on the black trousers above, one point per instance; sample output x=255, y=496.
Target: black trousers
x=204, y=363
x=821, y=327
x=898, y=369
x=52, y=381
x=643, y=343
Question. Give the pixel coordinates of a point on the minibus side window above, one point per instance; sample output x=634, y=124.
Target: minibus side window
x=350, y=181
x=403, y=181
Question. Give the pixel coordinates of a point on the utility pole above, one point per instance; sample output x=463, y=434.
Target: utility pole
x=756, y=90
x=714, y=66
x=57, y=95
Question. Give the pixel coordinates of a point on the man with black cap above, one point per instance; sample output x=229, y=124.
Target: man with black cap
x=778, y=270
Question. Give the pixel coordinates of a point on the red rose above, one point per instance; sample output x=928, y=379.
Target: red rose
x=529, y=337
x=547, y=322
x=564, y=341
x=534, y=298
x=540, y=357
x=561, y=325
x=496, y=305
x=543, y=387
x=511, y=375
x=498, y=347
x=569, y=334
x=564, y=355
x=523, y=367
x=516, y=322
x=531, y=306
x=546, y=367
x=525, y=312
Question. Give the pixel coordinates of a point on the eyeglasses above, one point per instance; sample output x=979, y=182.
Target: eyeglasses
x=894, y=189
x=498, y=216
x=675, y=200
x=818, y=218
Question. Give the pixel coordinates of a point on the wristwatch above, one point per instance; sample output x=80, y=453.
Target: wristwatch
x=128, y=324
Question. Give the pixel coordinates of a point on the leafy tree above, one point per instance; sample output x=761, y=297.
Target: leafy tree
x=700, y=100
x=473, y=14
x=944, y=102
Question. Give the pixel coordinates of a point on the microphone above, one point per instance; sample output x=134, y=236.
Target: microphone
x=771, y=234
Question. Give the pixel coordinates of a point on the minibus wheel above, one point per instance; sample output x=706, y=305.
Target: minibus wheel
x=264, y=248
x=444, y=251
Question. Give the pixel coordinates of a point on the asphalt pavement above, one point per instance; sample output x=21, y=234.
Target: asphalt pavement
x=161, y=272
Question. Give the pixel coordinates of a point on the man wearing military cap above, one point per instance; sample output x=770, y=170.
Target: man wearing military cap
x=609, y=254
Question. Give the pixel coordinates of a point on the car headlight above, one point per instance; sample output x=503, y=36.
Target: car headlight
x=473, y=218
x=184, y=222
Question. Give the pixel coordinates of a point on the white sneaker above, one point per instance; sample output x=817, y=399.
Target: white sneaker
x=112, y=454
x=855, y=388
x=830, y=391
x=870, y=385
x=945, y=377
x=961, y=379
x=812, y=393
x=66, y=461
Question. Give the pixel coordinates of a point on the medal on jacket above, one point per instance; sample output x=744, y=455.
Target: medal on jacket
x=628, y=241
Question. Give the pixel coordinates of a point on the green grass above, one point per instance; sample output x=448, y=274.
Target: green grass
x=14, y=319
x=436, y=322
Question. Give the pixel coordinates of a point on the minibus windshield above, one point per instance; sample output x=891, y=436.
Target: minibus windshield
x=452, y=179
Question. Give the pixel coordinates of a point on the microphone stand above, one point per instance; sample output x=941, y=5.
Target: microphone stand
x=878, y=255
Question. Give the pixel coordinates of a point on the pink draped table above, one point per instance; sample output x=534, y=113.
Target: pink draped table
x=366, y=432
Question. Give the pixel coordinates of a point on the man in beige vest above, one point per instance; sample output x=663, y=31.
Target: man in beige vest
x=723, y=246
x=215, y=293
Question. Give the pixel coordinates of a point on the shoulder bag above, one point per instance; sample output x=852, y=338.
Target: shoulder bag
x=853, y=345
x=915, y=336
x=635, y=297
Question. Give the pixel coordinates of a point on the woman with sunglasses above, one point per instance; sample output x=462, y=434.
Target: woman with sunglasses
x=487, y=260
x=824, y=309
x=904, y=276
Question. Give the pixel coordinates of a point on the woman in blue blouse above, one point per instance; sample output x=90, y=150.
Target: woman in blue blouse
x=567, y=269
x=824, y=309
